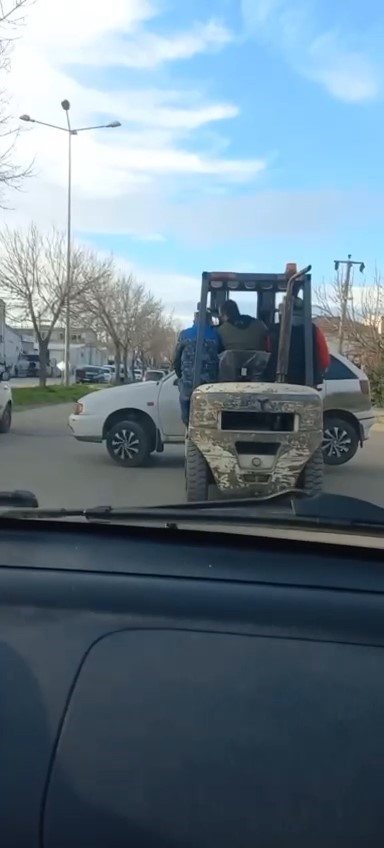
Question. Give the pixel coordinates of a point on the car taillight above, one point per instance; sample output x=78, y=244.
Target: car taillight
x=364, y=387
x=78, y=408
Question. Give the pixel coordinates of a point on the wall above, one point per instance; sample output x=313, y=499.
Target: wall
x=12, y=347
x=79, y=354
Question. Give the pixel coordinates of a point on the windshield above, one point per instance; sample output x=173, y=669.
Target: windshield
x=181, y=319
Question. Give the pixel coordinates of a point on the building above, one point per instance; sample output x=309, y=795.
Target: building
x=11, y=345
x=85, y=348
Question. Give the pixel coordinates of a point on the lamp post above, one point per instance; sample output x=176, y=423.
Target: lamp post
x=65, y=104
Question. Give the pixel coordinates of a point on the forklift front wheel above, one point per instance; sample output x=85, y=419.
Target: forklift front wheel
x=312, y=477
x=196, y=473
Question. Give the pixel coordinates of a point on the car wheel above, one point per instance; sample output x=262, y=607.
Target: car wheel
x=128, y=443
x=6, y=419
x=340, y=441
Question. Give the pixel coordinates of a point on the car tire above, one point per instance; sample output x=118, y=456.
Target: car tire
x=340, y=441
x=196, y=473
x=128, y=443
x=312, y=477
x=6, y=419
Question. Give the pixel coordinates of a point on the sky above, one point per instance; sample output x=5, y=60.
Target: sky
x=252, y=134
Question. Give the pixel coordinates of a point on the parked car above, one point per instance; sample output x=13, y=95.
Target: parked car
x=29, y=366
x=123, y=378
x=139, y=419
x=109, y=373
x=92, y=374
x=154, y=375
x=5, y=401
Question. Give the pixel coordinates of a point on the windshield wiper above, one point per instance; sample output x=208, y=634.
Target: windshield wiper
x=292, y=508
x=20, y=498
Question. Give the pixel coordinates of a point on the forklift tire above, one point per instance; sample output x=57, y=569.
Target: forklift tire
x=196, y=473
x=312, y=477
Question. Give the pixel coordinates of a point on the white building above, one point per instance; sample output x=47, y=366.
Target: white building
x=11, y=344
x=85, y=348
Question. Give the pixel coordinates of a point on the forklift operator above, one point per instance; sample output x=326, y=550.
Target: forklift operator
x=240, y=332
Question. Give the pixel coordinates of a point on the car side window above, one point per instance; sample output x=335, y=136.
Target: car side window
x=338, y=371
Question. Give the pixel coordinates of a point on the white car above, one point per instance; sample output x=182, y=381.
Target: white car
x=5, y=402
x=137, y=419
x=134, y=420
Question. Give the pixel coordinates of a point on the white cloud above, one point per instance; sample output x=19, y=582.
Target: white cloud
x=330, y=57
x=179, y=292
x=149, y=50
x=159, y=139
x=348, y=75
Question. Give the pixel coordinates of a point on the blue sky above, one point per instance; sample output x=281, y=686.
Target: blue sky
x=252, y=133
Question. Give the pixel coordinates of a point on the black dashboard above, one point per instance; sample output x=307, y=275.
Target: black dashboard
x=185, y=690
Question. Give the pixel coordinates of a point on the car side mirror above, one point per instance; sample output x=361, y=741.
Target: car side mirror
x=176, y=381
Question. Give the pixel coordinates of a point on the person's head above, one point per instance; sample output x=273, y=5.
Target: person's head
x=208, y=317
x=229, y=311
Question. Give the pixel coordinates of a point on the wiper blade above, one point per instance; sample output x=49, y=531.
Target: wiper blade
x=19, y=497
x=290, y=508
x=189, y=511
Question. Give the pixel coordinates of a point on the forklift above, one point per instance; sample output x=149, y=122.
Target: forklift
x=247, y=436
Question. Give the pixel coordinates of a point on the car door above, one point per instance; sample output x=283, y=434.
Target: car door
x=341, y=387
x=169, y=409
x=3, y=399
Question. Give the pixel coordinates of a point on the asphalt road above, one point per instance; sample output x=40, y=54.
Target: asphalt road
x=40, y=454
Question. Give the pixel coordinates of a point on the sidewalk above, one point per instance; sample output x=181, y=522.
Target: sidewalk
x=379, y=426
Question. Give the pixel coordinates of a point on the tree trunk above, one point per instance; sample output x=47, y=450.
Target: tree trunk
x=125, y=364
x=43, y=361
x=117, y=363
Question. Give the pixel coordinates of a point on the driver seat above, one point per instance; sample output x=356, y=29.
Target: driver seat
x=242, y=365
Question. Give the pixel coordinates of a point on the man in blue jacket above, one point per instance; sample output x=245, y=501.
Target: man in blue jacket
x=184, y=361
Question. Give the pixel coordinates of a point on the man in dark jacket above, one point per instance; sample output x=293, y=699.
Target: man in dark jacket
x=240, y=332
x=184, y=361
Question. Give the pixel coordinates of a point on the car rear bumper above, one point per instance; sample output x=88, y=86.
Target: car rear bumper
x=365, y=425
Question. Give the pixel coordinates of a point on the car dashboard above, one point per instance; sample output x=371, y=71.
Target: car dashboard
x=182, y=689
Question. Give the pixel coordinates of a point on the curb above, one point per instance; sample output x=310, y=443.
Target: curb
x=378, y=427
x=27, y=407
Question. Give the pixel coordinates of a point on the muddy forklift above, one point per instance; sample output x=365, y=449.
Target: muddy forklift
x=246, y=436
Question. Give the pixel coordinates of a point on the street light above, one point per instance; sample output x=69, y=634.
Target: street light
x=65, y=104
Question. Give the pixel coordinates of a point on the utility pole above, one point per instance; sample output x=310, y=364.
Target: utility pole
x=349, y=263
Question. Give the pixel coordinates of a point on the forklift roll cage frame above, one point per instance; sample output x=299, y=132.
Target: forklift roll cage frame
x=219, y=286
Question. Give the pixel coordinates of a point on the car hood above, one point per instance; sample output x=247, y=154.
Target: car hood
x=117, y=396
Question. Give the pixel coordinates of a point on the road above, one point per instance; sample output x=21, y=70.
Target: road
x=40, y=454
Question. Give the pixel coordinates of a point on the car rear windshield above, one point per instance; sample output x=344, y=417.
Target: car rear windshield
x=339, y=371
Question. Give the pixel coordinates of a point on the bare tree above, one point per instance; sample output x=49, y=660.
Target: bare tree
x=157, y=336
x=363, y=326
x=364, y=315
x=34, y=282
x=11, y=174
x=123, y=310
x=98, y=309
